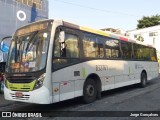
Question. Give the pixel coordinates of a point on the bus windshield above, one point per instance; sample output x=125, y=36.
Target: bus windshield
x=28, y=50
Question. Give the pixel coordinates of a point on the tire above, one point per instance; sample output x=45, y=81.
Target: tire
x=143, y=82
x=89, y=91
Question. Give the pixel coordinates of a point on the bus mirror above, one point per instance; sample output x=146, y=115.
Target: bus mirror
x=4, y=47
x=5, y=42
x=61, y=36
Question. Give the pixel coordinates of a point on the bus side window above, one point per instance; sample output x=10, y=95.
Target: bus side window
x=126, y=50
x=146, y=53
x=66, y=50
x=70, y=47
x=100, y=49
x=90, y=46
x=138, y=51
x=112, y=48
x=153, y=55
x=93, y=46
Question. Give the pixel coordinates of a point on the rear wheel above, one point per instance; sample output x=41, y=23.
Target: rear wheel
x=143, y=80
x=89, y=91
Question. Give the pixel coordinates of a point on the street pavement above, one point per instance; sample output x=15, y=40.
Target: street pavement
x=3, y=102
x=131, y=98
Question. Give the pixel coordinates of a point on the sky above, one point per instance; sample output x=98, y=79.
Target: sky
x=103, y=13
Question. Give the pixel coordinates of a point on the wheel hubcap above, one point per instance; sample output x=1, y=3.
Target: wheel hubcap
x=90, y=90
x=144, y=81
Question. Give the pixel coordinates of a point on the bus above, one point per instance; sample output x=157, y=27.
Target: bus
x=53, y=60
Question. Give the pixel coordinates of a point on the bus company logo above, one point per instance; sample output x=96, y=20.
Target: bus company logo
x=102, y=68
x=6, y=114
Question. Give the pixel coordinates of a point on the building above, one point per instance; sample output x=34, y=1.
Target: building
x=17, y=13
x=150, y=35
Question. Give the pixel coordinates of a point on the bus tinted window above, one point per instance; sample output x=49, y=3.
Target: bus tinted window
x=90, y=46
x=71, y=46
x=68, y=48
x=112, y=48
x=100, y=49
x=138, y=51
x=146, y=53
x=126, y=49
x=153, y=56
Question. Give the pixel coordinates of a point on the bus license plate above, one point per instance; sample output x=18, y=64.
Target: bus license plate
x=19, y=94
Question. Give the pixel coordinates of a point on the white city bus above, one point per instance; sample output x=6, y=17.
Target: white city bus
x=53, y=60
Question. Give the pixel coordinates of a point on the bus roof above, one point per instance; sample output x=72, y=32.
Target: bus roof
x=103, y=33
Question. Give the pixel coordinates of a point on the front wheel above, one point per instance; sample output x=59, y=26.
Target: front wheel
x=89, y=91
x=143, y=80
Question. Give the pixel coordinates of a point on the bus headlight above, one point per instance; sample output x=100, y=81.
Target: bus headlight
x=5, y=82
x=39, y=82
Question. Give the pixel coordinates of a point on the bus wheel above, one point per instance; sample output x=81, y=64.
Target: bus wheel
x=89, y=91
x=143, y=80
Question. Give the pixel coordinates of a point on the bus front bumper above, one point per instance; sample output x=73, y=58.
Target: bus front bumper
x=39, y=96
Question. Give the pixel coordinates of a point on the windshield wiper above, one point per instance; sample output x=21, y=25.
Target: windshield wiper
x=31, y=39
x=16, y=52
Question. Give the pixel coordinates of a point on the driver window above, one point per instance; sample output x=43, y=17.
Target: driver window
x=67, y=48
x=70, y=46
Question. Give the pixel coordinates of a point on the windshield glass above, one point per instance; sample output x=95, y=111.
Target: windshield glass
x=28, y=51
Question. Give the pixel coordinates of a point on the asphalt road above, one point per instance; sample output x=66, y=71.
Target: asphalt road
x=115, y=104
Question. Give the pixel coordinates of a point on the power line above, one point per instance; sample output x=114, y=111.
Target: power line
x=101, y=10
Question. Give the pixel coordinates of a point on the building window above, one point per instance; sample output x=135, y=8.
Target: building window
x=32, y=3
x=151, y=34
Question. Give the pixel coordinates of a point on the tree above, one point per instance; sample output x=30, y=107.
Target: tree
x=140, y=38
x=147, y=21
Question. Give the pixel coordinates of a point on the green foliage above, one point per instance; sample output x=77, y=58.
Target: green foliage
x=140, y=38
x=147, y=21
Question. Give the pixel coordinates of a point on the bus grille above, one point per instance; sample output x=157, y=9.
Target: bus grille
x=21, y=79
x=23, y=97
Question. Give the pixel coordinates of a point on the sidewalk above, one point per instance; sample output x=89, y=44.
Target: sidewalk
x=4, y=102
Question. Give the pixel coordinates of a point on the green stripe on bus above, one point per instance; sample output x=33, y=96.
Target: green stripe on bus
x=21, y=86
x=83, y=72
